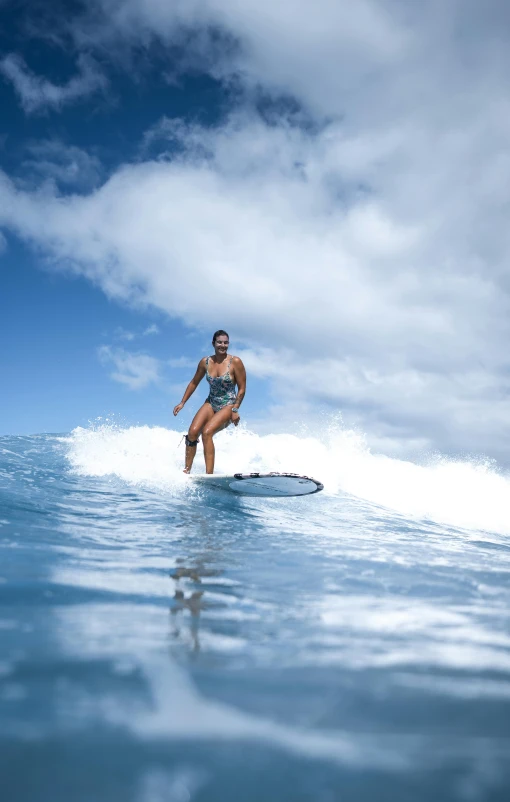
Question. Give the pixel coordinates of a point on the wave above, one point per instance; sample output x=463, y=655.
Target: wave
x=466, y=494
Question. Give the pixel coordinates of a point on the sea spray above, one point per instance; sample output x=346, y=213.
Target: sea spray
x=467, y=494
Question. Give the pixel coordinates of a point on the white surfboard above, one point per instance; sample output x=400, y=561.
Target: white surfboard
x=260, y=484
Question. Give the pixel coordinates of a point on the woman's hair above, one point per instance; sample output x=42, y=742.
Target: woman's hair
x=219, y=333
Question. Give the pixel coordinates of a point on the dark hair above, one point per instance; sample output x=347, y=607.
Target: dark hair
x=219, y=333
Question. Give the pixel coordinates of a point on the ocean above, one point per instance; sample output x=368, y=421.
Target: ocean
x=163, y=643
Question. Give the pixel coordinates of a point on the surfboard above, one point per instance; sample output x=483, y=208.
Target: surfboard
x=260, y=484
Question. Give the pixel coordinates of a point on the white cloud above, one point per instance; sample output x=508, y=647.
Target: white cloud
x=136, y=371
x=123, y=334
x=129, y=336
x=408, y=411
x=37, y=93
x=182, y=362
x=67, y=165
x=362, y=262
x=372, y=317
x=152, y=329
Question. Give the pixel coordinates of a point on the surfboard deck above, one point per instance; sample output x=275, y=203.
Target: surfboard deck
x=270, y=485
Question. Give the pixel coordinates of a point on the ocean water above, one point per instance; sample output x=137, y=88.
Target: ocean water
x=160, y=643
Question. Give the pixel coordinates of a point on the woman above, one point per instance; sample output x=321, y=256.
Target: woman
x=222, y=405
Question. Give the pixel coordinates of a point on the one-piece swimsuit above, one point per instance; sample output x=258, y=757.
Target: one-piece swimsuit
x=222, y=389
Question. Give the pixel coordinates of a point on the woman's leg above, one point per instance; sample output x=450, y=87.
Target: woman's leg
x=219, y=421
x=204, y=414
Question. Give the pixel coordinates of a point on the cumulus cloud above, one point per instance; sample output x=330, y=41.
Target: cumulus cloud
x=369, y=315
x=37, y=93
x=136, y=371
x=357, y=247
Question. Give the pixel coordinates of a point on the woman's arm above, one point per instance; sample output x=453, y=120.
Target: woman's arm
x=240, y=379
x=192, y=386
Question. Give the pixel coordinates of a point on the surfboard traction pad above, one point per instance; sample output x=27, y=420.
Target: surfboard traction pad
x=240, y=477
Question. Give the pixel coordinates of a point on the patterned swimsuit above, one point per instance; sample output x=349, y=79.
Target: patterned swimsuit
x=222, y=389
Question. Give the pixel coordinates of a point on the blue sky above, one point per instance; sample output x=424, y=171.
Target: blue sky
x=56, y=366
x=328, y=182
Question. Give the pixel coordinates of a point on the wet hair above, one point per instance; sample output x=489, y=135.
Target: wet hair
x=220, y=333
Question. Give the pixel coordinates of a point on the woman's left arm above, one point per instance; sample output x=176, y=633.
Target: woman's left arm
x=240, y=379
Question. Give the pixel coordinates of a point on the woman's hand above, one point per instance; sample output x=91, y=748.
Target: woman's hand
x=178, y=408
x=236, y=418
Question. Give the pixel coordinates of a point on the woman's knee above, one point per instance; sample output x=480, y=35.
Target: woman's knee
x=193, y=433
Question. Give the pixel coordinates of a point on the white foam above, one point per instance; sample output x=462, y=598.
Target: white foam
x=459, y=493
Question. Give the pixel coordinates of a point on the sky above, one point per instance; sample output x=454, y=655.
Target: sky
x=327, y=181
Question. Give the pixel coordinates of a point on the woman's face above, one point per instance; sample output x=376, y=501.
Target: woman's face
x=221, y=344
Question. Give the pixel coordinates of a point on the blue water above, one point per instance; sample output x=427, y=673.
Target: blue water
x=162, y=644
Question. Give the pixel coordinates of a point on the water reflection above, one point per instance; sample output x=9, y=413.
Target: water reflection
x=192, y=602
x=194, y=605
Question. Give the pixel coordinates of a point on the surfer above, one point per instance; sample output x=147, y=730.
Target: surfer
x=223, y=372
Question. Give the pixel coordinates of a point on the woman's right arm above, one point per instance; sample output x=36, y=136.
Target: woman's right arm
x=192, y=386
